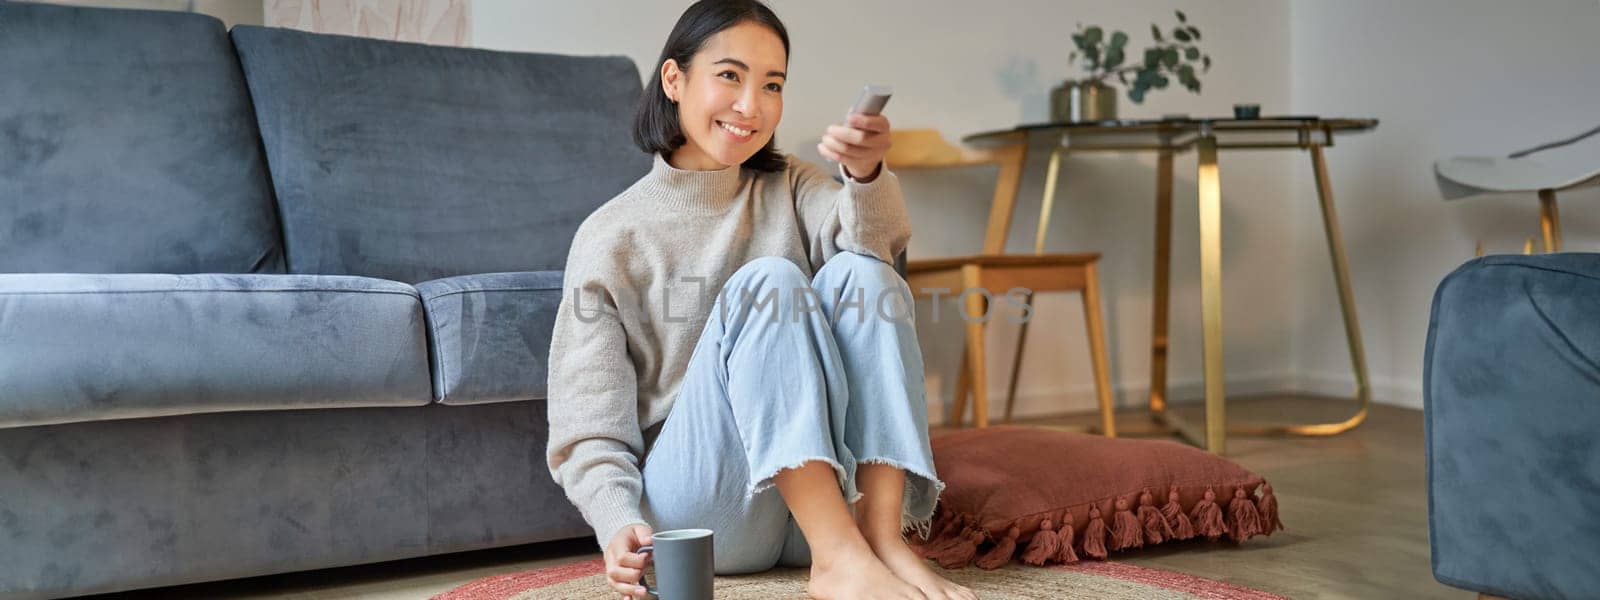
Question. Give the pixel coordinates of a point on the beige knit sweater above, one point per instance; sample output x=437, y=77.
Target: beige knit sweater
x=641, y=279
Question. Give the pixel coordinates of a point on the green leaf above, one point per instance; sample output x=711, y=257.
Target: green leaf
x=1194, y=32
x=1170, y=57
x=1113, y=57
x=1155, y=32
x=1152, y=57
x=1206, y=60
x=1183, y=36
x=1186, y=76
x=1181, y=18
x=1119, y=39
x=1136, y=94
x=1191, y=53
x=1160, y=82
x=1093, y=34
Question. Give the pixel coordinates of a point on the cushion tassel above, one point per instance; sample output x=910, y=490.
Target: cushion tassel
x=1243, y=521
x=961, y=553
x=1182, y=528
x=949, y=536
x=1268, y=507
x=1126, y=532
x=1065, y=555
x=1001, y=553
x=1094, y=535
x=1156, y=529
x=1208, y=517
x=1044, y=546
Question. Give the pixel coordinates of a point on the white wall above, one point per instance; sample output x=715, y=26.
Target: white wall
x=230, y=12
x=1445, y=77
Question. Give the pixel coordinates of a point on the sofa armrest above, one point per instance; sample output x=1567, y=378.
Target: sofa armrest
x=1511, y=387
x=490, y=335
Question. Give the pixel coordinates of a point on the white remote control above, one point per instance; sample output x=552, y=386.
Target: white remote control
x=872, y=100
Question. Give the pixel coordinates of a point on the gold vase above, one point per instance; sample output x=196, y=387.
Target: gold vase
x=1076, y=101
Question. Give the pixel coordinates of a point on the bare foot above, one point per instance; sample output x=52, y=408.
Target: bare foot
x=856, y=573
x=913, y=569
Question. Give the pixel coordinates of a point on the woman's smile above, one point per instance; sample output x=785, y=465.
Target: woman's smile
x=739, y=134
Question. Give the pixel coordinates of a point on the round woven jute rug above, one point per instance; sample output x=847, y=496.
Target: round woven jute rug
x=586, y=579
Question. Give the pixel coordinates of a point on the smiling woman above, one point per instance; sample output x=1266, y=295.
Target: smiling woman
x=798, y=441
x=728, y=110
x=717, y=94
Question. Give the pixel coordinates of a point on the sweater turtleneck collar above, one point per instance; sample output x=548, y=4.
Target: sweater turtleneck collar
x=710, y=191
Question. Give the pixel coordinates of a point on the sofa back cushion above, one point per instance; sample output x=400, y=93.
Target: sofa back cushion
x=127, y=144
x=412, y=162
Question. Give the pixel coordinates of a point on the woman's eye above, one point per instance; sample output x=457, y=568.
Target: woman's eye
x=731, y=75
x=775, y=87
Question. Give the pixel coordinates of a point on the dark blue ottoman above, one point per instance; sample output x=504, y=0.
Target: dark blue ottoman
x=1512, y=390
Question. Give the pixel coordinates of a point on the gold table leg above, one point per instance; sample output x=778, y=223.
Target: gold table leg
x=1213, y=433
x=1214, y=440
x=1549, y=221
x=1210, y=213
x=1347, y=306
x=1163, y=276
x=1052, y=173
x=1049, y=202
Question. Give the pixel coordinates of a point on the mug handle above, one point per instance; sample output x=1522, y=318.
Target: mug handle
x=647, y=549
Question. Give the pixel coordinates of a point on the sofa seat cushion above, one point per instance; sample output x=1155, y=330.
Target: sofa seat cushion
x=491, y=334
x=116, y=346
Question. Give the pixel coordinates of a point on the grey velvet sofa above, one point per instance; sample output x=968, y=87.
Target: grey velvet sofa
x=275, y=301
x=1512, y=392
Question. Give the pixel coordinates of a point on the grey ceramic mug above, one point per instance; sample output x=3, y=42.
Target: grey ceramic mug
x=683, y=564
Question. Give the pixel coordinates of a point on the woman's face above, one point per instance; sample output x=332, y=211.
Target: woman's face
x=730, y=98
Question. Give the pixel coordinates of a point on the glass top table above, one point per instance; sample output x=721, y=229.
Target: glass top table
x=1183, y=133
x=1206, y=136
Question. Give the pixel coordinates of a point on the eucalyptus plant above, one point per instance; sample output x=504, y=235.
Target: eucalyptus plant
x=1162, y=62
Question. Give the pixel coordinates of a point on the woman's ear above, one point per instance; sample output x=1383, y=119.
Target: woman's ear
x=671, y=80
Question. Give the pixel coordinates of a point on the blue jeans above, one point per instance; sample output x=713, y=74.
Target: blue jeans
x=789, y=370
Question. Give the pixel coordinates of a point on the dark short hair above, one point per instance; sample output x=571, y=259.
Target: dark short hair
x=655, y=123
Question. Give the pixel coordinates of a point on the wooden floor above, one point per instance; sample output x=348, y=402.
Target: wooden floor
x=1355, y=506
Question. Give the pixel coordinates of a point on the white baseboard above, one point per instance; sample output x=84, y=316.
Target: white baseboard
x=1081, y=398
x=1404, y=393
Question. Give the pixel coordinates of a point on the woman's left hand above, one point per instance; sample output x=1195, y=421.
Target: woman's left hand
x=860, y=145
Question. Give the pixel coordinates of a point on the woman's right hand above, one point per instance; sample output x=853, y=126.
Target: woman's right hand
x=624, y=564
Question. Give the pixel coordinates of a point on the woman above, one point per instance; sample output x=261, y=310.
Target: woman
x=730, y=324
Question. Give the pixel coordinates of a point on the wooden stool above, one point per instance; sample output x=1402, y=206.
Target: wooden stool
x=998, y=272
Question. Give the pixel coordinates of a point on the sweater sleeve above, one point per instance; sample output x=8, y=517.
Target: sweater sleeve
x=865, y=218
x=595, y=441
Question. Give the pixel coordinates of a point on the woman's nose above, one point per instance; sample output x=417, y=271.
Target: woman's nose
x=746, y=103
